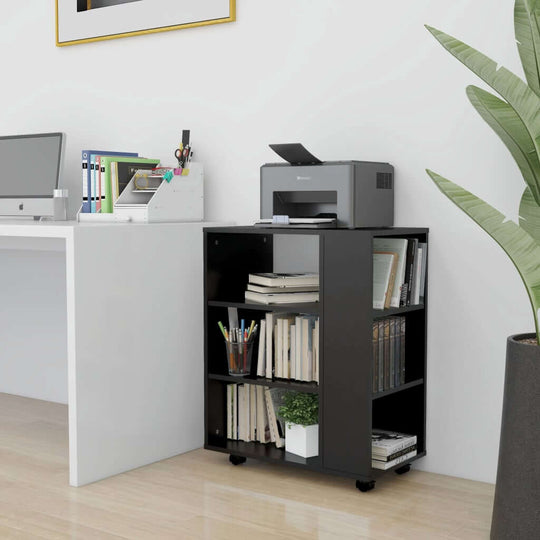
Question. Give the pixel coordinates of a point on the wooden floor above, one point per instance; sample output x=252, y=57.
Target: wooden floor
x=200, y=495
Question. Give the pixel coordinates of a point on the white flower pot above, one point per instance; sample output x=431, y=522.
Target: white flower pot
x=302, y=440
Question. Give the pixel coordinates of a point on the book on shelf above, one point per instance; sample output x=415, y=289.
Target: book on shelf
x=261, y=356
x=384, y=273
x=283, y=289
x=399, y=247
x=388, y=350
x=385, y=465
x=274, y=279
x=395, y=455
x=274, y=400
x=385, y=443
x=423, y=247
x=281, y=298
x=406, y=284
x=288, y=347
x=410, y=270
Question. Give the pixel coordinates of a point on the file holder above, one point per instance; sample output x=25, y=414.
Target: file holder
x=150, y=198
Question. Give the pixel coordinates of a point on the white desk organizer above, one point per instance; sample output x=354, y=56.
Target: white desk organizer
x=150, y=198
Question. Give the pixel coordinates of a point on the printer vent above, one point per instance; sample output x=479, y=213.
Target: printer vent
x=384, y=180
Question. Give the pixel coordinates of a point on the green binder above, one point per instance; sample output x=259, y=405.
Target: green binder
x=126, y=166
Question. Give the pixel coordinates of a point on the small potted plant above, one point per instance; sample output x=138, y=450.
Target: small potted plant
x=301, y=414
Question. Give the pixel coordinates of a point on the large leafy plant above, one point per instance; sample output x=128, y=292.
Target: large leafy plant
x=516, y=120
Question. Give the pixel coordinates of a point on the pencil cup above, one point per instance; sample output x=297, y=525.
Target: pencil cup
x=239, y=358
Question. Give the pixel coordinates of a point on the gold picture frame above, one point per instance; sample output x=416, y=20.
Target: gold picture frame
x=85, y=21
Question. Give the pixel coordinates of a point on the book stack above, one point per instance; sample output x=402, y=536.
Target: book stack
x=390, y=448
x=275, y=288
x=289, y=347
x=252, y=414
x=399, y=272
x=388, y=353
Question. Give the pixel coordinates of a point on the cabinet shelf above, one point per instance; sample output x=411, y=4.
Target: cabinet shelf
x=382, y=313
x=298, y=386
x=399, y=388
x=305, y=307
x=264, y=452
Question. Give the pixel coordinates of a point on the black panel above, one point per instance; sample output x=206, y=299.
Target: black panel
x=404, y=412
x=346, y=362
x=229, y=260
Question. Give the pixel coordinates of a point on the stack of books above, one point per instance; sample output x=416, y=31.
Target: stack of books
x=274, y=288
x=390, y=448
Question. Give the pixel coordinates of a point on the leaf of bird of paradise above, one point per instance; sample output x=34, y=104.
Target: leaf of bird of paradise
x=527, y=32
x=509, y=127
x=529, y=215
x=517, y=243
x=516, y=92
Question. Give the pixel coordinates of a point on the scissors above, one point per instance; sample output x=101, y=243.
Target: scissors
x=182, y=154
x=178, y=154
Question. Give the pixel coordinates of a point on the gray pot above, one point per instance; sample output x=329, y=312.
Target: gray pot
x=516, y=510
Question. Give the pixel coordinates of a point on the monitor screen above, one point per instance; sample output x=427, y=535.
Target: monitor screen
x=30, y=165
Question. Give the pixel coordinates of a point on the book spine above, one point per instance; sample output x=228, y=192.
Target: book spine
x=384, y=451
x=386, y=358
x=412, y=270
x=317, y=351
x=85, y=201
x=292, y=359
x=92, y=183
x=392, y=354
x=375, y=350
x=380, y=356
x=269, y=357
x=394, y=455
x=298, y=345
x=376, y=464
x=402, y=350
x=97, y=166
x=261, y=359
x=229, y=411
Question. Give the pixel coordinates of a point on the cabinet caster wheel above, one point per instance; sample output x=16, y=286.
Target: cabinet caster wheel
x=237, y=460
x=365, y=486
x=404, y=469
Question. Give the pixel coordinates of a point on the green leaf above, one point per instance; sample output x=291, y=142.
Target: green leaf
x=517, y=93
x=519, y=245
x=527, y=32
x=509, y=127
x=529, y=215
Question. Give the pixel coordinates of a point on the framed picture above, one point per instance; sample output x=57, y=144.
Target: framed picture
x=82, y=21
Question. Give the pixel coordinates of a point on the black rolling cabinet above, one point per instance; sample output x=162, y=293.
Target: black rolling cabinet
x=348, y=408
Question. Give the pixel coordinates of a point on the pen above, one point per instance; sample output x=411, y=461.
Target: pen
x=252, y=325
x=223, y=331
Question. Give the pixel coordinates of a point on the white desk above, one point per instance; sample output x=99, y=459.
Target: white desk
x=133, y=334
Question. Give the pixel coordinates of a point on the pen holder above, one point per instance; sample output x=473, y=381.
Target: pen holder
x=239, y=358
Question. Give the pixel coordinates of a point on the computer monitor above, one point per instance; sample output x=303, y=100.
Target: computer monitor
x=30, y=167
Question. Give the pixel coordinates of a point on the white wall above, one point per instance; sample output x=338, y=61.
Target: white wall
x=351, y=80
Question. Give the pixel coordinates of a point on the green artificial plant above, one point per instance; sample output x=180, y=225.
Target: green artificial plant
x=300, y=408
x=516, y=120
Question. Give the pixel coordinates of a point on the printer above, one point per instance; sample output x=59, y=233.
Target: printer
x=355, y=193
